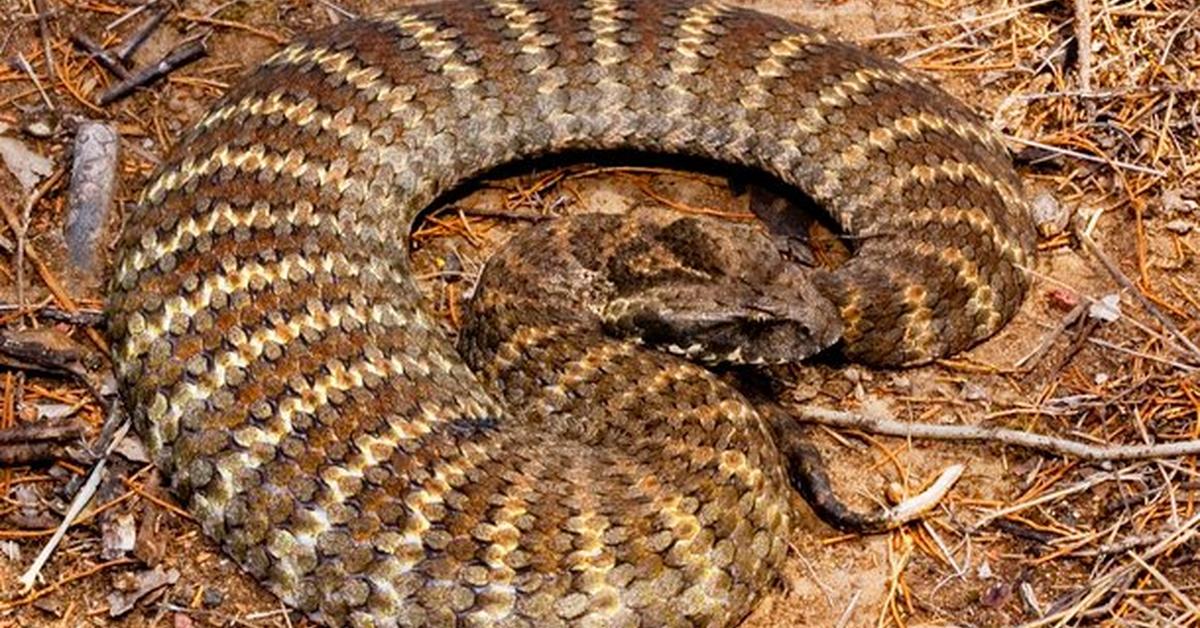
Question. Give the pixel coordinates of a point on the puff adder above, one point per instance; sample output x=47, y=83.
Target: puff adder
x=278, y=361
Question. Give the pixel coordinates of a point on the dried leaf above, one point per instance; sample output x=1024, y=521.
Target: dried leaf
x=133, y=449
x=27, y=166
x=144, y=584
x=119, y=535
x=1107, y=309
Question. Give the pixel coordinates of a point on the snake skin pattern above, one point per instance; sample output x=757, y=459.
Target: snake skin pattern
x=271, y=344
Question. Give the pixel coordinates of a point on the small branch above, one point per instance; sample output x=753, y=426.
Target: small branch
x=1166, y=53
x=1143, y=355
x=848, y=612
x=1086, y=157
x=908, y=33
x=19, y=225
x=483, y=212
x=30, y=432
x=126, y=50
x=132, y=13
x=1167, y=584
x=350, y=15
x=887, y=426
x=1004, y=16
x=102, y=56
x=1120, y=92
x=31, y=443
x=26, y=454
x=85, y=494
x=1113, y=580
x=178, y=58
x=1033, y=357
x=83, y=316
x=44, y=32
x=23, y=63
x=1047, y=498
x=1083, y=43
x=56, y=288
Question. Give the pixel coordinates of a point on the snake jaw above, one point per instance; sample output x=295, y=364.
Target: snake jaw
x=729, y=324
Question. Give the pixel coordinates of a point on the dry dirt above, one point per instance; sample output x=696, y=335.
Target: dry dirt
x=942, y=572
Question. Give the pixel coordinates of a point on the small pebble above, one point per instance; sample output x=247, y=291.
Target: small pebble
x=452, y=267
x=50, y=605
x=1181, y=226
x=1050, y=216
x=1181, y=200
x=212, y=598
x=974, y=392
x=996, y=595
x=1062, y=299
x=39, y=129
x=985, y=570
x=894, y=493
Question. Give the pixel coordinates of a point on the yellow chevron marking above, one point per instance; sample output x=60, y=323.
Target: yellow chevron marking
x=606, y=26
x=438, y=45
x=251, y=160
x=693, y=36
x=519, y=18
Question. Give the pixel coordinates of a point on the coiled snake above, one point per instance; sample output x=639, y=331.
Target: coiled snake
x=271, y=343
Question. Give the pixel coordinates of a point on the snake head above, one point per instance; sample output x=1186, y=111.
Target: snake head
x=717, y=293
x=785, y=321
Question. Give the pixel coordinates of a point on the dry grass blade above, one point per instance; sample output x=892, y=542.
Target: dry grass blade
x=1104, y=585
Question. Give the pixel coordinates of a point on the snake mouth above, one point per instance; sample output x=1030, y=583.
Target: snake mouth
x=729, y=324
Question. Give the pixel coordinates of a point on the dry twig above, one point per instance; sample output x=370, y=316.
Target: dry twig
x=1083, y=43
x=177, y=58
x=875, y=420
x=126, y=50
x=102, y=56
x=29, y=578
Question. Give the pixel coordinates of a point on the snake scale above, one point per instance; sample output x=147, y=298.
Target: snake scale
x=276, y=356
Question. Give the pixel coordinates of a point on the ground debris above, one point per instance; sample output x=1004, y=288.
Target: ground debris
x=118, y=536
x=27, y=166
x=134, y=588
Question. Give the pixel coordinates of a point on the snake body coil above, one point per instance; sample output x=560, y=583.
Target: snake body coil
x=271, y=343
